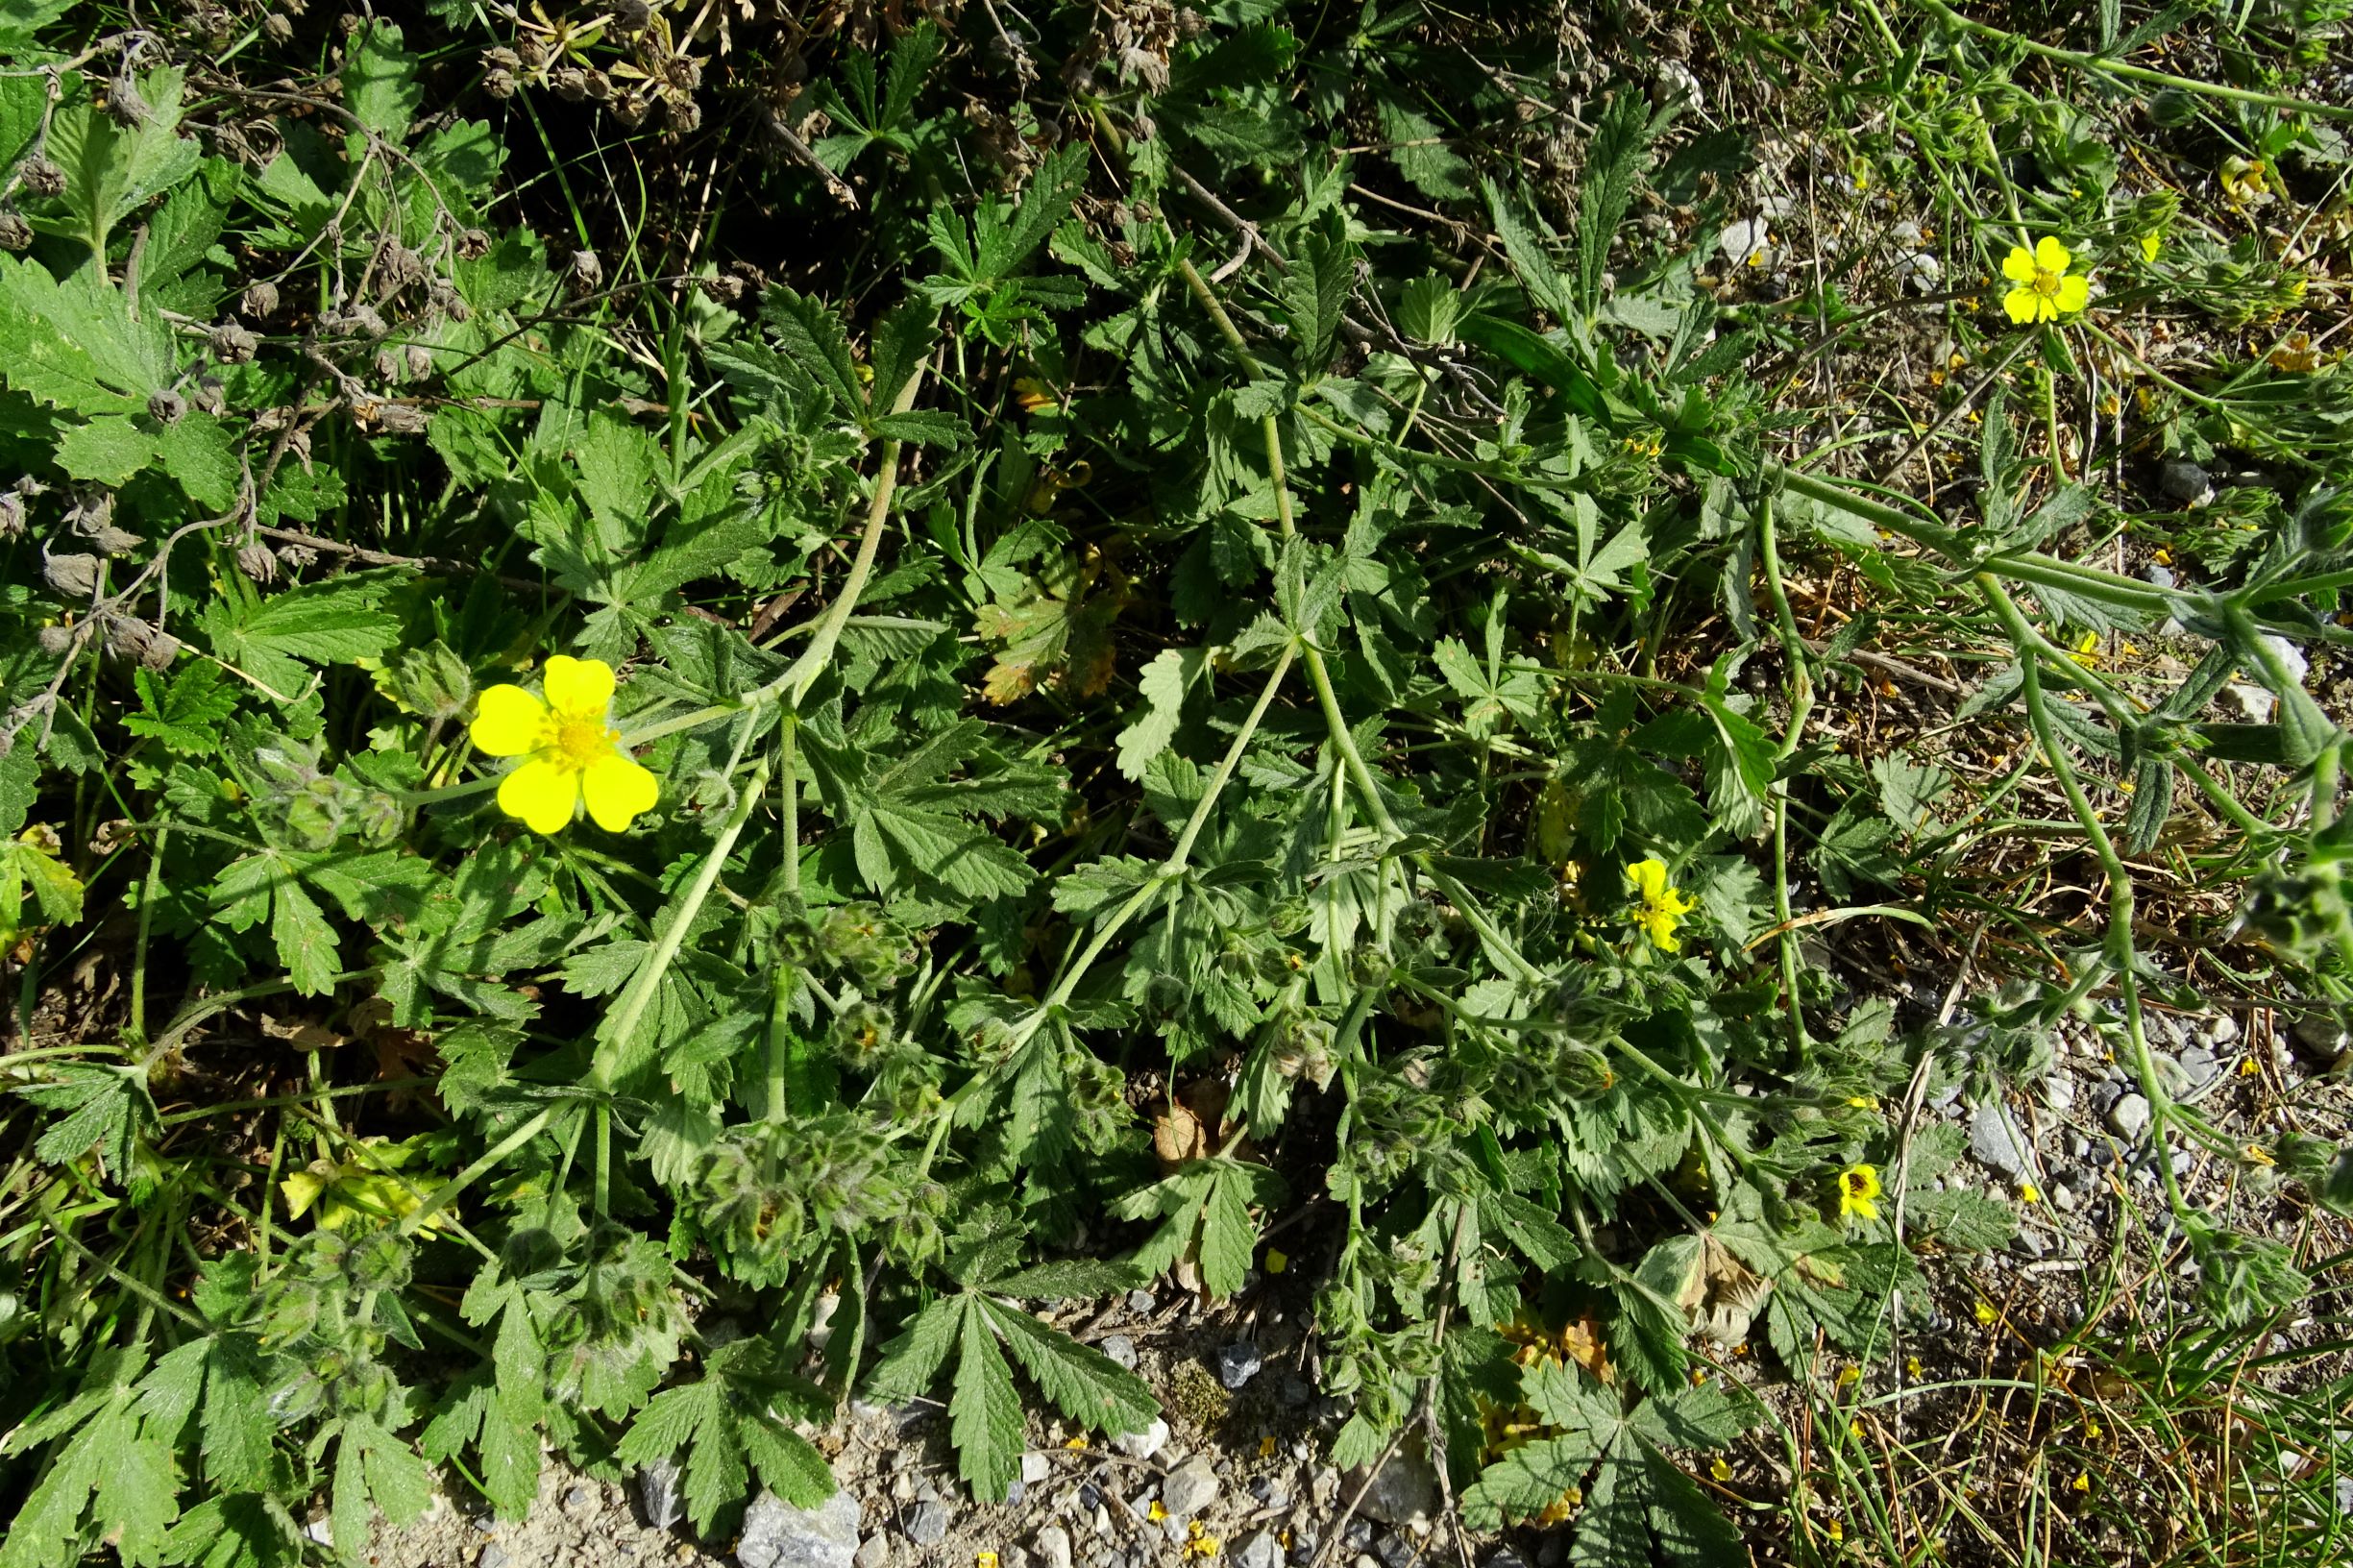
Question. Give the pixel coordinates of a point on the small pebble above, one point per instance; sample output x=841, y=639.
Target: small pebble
x=1263, y=1549
x=493, y=1556
x=1142, y=1445
x=1190, y=1487
x=928, y=1524
x=875, y=1552
x=1237, y=1363
x=1396, y=1549
x=1036, y=1467
x=1140, y=1302
x=2223, y=1030
x=1119, y=1348
x=1359, y=1533
x=2128, y=1116
x=1053, y=1545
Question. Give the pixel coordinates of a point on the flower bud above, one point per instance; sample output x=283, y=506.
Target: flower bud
x=167, y=408
x=258, y=561
x=260, y=300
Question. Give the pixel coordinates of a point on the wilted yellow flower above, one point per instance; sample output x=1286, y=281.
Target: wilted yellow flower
x=573, y=755
x=1663, y=907
x=2045, y=291
x=1858, y=1192
x=2246, y=181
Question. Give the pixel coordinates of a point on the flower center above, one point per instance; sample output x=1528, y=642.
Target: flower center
x=2045, y=282
x=579, y=741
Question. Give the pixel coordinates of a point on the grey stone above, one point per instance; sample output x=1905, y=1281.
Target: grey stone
x=2104, y=1095
x=1995, y=1143
x=928, y=1525
x=2223, y=1030
x=1405, y=1492
x=1140, y=1302
x=1357, y=1535
x=777, y=1535
x=2128, y=1116
x=2184, y=483
x=493, y=1556
x=580, y=1499
x=1505, y=1558
x=1263, y=1549
x=2170, y=1073
x=1119, y=1348
x=1295, y=1390
x=1014, y=1556
x=1053, y=1547
x=2059, y=1093
x=876, y=1553
x=2345, y=1495
x=1190, y=1487
x=2199, y=1067
x=1142, y=1445
x=1015, y=1491
x=1307, y=1537
x=1366, y=1560
x=2063, y=1197
x=657, y=1493
x=1396, y=1549
x=2077, y=1146
x=1237, y=1363
x=1035, y=1468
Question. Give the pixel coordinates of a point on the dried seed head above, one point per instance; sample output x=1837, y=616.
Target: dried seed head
x=41, y=177
x=501, y=60
x=685, y=115
x=74, y=575
x=401, y=419
x=15, y=234
x=277, y=26
x=398, y=265
x=55, y=641
x=443, y=297
x=210, y=394
x=587, y=271
x=473, y=245
x=298, y=556
x=632, y=15
x=167, y=408
x=232, y=344
x=570, y=81
x=499, y=82
x=255, y=560
x=419, y=361
x=387, y=364
x=260, y=300
x=12, y=514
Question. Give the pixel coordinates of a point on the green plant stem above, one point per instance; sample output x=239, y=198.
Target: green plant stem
x=2119, y=946
x=490, y=1159
x=2100, y=66
x=134, y=1034
x=1801, y=708
x=1180, y=854
x=640, y=995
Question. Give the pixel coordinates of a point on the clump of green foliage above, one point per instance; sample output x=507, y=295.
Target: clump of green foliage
x=1122, y=606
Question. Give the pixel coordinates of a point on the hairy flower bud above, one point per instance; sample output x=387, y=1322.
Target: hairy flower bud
x=167, y=408
x=41, y=177
x=260, y=300
x=15, y=234
x=258, y=561
x=73, y=575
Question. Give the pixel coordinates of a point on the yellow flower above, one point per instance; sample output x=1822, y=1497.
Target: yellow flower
x=1277, y=1261
x=1986, y=1314
x=571, y=753
x=1663, y=908
x=1158, y=1512
x=2045, y=291
x=2245, y=182
x=362, y=1190
x=1858, y=1192
x=2029, y=1193
x=2151, y=244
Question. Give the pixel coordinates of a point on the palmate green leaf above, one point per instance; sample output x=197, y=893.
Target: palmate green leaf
x=379, y=81
x=73, y=345
x=910, y=1361
x=336, y=622
x=1204, y=1205
x=811, y=334
x=110, y=168
x=1162, y=685
x=185, y=714
x=375, y=1472
x=984, y=1418
x=1083, y=1382
x=1315, y=295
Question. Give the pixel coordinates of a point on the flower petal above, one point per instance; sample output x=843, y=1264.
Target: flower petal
x=508, y=721
x=2051, y=255
x=2021, y=303
x=616, y=789
x=542, y=794
x=2019, y=265
x=581, y=686
x=2074, y=293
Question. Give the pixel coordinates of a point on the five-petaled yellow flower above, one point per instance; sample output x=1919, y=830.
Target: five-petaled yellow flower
x=571, y=753
x=1663, y=908
x=1858, y=1192
x=2045, y=291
